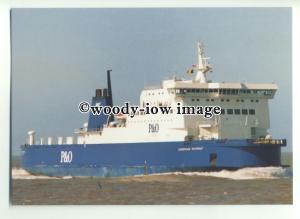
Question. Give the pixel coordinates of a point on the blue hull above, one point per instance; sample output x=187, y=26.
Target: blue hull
x=140, y=158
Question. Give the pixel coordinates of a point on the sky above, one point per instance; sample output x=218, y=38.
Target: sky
x=60, y=56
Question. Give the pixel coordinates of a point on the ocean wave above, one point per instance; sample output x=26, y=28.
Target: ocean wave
x=242, y=174
x=19, y=173
x=248, y=173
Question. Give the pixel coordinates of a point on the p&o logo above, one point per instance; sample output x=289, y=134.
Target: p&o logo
x=66, y=156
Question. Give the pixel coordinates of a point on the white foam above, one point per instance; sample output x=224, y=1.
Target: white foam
x=19, y=173
x=242, y=174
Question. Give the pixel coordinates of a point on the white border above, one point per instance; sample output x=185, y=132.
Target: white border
x=253, y=211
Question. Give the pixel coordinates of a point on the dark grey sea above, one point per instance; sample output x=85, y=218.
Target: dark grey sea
x=262, y=185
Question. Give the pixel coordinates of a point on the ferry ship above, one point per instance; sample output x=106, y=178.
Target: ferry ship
x=123, y=145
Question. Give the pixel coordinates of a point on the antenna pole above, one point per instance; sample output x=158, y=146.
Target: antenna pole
x=109, y=88
x=110, y=98
x=203, y=66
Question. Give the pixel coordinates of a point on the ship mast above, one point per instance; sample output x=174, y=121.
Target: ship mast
x=203, y=67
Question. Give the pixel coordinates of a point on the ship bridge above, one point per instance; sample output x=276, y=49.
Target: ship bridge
x=245, y=112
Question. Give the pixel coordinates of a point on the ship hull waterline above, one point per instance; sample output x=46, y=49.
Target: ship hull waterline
x=127, y=159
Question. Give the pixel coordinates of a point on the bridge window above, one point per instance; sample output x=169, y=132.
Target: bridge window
x=244, y=111
x=251, y=111
x=229, y=111
x=234, y=91
x=237, y=111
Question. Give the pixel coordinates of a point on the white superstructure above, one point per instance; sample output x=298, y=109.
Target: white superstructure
x=245, y=112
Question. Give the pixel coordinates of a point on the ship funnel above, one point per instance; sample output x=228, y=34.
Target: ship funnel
x=102, y=98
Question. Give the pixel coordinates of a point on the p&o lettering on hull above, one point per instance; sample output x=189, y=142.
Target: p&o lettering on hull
x=66, y=156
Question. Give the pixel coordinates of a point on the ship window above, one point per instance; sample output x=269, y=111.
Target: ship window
x=193, y=100
x=242, y=100
x=222, y=111
x=252, y=101
x=227, y=100
x=268, y=92
x=237, y=100
x=237, y=111
x=229, y=111
x=212, y=100
x=205, y=91
x=222, y=100
x=210, y=90
x=193, y=90
x=215, y=90
x=256, y=101
x=197, y=99
x=251, y=111
x=197, y=90
x=207, y=99
x=244, y=111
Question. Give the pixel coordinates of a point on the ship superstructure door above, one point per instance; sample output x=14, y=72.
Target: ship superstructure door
x=213, y=159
